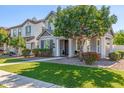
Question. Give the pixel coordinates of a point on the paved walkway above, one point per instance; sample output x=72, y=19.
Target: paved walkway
x=119, y=65
x=44, y=59
x=12, y=80
x=75, y=61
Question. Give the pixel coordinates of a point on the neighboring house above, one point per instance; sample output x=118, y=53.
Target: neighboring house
x=66, y=47
x=29, y=29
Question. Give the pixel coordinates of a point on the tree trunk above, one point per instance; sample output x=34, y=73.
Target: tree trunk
x=81, y=50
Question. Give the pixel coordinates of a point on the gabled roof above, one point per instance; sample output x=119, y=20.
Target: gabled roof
x=44, y=33
x=28, y=20
x=32, y=21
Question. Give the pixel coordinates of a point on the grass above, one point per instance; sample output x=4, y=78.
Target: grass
x=10, y=60
x=1, y=86
x=68, y=75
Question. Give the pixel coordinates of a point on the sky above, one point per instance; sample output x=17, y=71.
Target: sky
x=14, y=15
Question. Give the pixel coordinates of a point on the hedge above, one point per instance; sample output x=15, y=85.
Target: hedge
x=42, y=52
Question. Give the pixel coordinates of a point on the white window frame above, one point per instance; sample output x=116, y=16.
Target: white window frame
x=27, y=30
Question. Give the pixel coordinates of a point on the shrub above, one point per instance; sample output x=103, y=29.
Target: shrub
x=90, y=57
x=1, y=51
x=42, y=52
x=46, y=52
x=36, y=52
x=115, y=56
x=26, y=52
x=121, y=53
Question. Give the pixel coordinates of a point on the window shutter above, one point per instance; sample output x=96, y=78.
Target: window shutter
x=42, y=43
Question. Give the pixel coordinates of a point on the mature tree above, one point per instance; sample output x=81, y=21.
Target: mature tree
x=4, y=38
x=119, y=38
x=18, y=43
x=84, y=21
x=3, y=35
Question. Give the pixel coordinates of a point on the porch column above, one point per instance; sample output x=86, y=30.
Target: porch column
x=57, y=47
x=70, y=48
x=76, y=44
x=103, y=47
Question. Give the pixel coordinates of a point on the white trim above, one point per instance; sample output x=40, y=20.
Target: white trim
x=103, y=47
x=70, y=47
x=76, y=44
x=57, y=47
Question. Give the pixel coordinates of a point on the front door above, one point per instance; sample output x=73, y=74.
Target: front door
x=63, y=47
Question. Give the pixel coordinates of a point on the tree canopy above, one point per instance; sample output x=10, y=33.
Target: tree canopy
x=83, y=20
x=3, y=35
x=119, y=38
x=18, y=42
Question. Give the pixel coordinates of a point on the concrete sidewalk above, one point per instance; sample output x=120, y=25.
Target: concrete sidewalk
x=12, y=80
x=44, y=59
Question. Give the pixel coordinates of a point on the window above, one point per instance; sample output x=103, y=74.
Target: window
x=49, y=26
x=28, y=30
x=19, y=31
x=14, y=33
x=98, y=46
x=46, y=44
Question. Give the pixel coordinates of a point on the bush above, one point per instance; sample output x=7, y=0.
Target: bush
x=1, y=51
x=36, y=52
x=115, y=56
x=26, y=52
x=46, y=52
x=42, y=52
x=90, y=57
x=121, y=53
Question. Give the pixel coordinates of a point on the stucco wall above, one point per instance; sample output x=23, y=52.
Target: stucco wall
x=36, y=29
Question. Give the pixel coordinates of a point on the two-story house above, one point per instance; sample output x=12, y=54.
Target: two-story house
x=29, y=29
x=39, y=34
x=62, y=46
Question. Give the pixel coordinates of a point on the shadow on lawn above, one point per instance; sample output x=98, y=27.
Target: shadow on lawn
x=73, y=76
x=10, y=60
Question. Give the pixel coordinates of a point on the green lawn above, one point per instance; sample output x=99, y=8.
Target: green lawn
x=69, y=76
x=1, y=86
x=10, y=60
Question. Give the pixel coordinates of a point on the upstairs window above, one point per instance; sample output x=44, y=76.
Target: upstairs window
x=49, y=26
x=28, y=30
